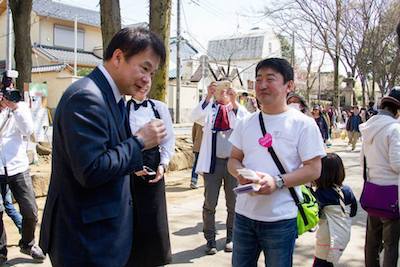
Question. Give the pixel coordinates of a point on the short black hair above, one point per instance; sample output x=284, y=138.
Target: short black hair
x=391, y=107
x=371, y=104
x=133, y=40
x=279, y=65
x=332, y=171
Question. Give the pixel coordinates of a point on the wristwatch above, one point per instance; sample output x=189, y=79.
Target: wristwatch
x=280, y=183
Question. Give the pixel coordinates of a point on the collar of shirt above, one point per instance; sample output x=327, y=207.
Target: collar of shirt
x=139, y=101
x=110, y=80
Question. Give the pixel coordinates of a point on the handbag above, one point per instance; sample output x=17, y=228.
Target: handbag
x=379, y=200
x=308, y=210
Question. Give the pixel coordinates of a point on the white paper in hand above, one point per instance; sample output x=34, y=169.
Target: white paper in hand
x=249, y=174
x=246, y=188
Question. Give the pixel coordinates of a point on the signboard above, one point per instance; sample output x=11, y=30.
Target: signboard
x=38, y=89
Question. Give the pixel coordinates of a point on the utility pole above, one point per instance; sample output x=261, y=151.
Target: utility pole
x=9, y=37
x=203, y=76
x=178, y=62
x=75, y=45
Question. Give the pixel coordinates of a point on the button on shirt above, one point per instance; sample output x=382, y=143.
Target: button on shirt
x=138, y=118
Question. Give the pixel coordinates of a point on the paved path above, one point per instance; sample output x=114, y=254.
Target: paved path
x=185, y=207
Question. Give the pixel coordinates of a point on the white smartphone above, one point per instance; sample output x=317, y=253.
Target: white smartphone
x=149, y=170
x=249, y=174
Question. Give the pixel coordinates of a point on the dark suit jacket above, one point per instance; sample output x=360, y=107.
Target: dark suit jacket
x=87, y=219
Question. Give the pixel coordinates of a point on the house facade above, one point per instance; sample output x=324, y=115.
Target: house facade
x=52, y=37
x=244, y=51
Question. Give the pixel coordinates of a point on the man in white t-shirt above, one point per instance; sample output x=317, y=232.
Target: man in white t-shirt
x=266, y=220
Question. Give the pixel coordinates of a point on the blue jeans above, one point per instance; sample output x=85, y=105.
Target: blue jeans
x=275, y=239
x=195, y=176
x=9, y=206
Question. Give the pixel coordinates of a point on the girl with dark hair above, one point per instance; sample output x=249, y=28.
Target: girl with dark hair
x=337, y=206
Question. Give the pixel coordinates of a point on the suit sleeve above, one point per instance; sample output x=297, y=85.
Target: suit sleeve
x=85, y=130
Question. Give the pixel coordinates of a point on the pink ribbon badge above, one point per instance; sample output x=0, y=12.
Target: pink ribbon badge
x=266, y=141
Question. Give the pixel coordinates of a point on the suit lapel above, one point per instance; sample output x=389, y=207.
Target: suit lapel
x=100, y=80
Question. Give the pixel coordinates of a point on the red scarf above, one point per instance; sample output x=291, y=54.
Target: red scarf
x=221, y=120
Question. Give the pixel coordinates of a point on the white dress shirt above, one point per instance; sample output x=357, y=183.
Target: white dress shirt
x=110, y=80
x=15, y=125
x=138, y=118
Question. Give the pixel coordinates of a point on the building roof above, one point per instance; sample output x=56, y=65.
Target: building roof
x=240, y=46
x=51, y=68
x=49, y=8
x=66, y=55
x=237, y=48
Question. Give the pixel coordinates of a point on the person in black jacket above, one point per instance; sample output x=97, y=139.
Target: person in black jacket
x=88, y=217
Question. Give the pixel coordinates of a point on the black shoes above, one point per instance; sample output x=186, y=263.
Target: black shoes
x=35, y=252
x=211, y=247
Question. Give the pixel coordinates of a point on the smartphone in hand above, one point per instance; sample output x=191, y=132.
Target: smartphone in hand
x=149, y=170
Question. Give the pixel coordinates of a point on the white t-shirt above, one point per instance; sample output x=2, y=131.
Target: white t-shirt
x=295, y=139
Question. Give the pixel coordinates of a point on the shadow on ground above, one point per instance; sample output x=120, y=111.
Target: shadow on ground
x=21, y=261
x=188, y=256
x=198, y=228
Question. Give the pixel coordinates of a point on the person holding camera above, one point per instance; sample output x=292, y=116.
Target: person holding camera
x=15, y=123
x=219, y=117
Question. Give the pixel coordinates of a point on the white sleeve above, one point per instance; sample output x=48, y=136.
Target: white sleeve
x=167, y=146
x=236, y=135
x=310, y=142
x=240, y=114
x=23, y=119
x=394, y=150
x=199, y=113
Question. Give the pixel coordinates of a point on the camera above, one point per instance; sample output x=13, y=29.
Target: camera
x=8, y=92
x=12, y=95
x=221, y=85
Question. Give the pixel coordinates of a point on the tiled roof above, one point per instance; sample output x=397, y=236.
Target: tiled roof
x=57, y=10
x=65, y=55
x=50, y=68
x=238, y=48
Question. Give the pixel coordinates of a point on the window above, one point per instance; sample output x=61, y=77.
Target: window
x=64, y=37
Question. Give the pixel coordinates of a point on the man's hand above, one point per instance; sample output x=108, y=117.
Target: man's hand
x=267, y=182
x=152, y=133
x=8, y=104
x=159, y=175
x=211, y=89
x=232, y=95
x=242, y=180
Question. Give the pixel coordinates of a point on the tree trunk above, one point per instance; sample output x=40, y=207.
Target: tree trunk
x=160, y=20
x=110, y=20
x=336, y=101
x=21, y=14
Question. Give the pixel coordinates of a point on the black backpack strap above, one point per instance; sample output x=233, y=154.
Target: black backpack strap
x=282, y=171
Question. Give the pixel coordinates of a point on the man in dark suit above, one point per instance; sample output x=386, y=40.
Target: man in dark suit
x=87, y=219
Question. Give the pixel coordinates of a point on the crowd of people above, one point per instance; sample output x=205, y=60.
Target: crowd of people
x=106, y=203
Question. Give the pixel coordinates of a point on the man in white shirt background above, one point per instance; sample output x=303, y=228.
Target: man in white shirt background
x=15, y=123
x=219, y=116
x=266, y=220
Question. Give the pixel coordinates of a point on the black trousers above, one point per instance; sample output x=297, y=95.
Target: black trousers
x=382, y=233
x=21, y=187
